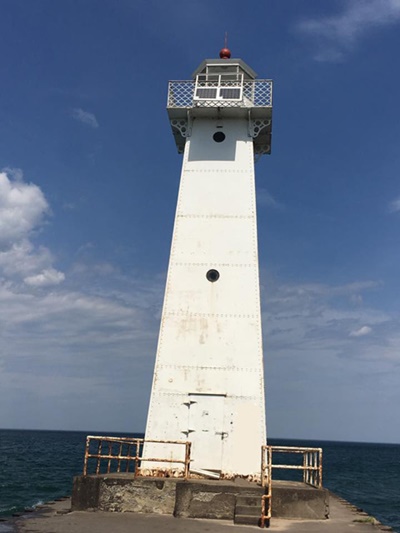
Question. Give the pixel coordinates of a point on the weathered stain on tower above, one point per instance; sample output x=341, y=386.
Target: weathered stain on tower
x=208, y=382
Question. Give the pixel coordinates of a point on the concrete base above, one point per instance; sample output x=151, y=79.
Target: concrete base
x=124, y=493
x=194, y=498
x=292, y=499
x=197, y=498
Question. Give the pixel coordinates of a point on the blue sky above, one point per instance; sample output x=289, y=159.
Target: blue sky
x=88, y=185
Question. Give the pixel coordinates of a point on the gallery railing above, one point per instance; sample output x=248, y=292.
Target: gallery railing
x=188, y=94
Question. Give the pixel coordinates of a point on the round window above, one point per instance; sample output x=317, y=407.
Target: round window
x=212, y=275
x=219, y=136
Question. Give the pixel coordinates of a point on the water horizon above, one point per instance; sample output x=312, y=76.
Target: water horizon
x=294, y=439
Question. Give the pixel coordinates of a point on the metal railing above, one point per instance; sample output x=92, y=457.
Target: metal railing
x=266, y=481
x=311, y=464
x=118, y=454
x=256, y=93
x=311, y=467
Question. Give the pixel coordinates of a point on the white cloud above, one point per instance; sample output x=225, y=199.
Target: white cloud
x=48, y=276
x=85, y=117
x=394, y=206
x=22, y=259
x=335, y=35
x=361, y=332
x=23, y=209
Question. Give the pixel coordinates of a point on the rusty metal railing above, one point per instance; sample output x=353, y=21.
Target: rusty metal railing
x=266, y=499
x=117, y=452
x=311, y=465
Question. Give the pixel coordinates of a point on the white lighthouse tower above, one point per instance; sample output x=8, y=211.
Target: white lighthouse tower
x=208, y=385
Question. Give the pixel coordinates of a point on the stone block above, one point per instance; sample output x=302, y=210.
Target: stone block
x=85, y=493
x=297, y=500
x=138, y=495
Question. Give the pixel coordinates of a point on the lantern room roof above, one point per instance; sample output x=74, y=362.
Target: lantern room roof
x=224, y=62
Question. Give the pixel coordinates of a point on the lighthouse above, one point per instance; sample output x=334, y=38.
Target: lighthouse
x=208, y=384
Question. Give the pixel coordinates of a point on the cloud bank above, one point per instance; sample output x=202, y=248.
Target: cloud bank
x=71, y=343
x=329, y=375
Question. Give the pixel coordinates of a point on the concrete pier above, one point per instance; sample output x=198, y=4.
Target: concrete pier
x=238, y=500
x=58, y=518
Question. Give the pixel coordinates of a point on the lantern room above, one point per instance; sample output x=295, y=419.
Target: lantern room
x=222, y=88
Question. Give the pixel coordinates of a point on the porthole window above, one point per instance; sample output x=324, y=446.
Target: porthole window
x=212, y=275
x=219, y=136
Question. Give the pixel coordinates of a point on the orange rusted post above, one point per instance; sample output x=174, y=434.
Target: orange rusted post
x=128, y=458
x=98, y=456
x=119, y=458
x=320, y=469
x=109, y=457
x=188, y=446
x=85, y=460
x=262, y=465
x=137, y=448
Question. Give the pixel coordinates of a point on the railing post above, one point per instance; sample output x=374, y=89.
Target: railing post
x=85, y=460
x=99, y=456
x=266, y=464
x=270, y=467
x=119, y=458
x=128, y=460
x=315, y=465
x=320, y=469
x=187, y=459
x=137, y=444
x=263, y=466
x=109, y=459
